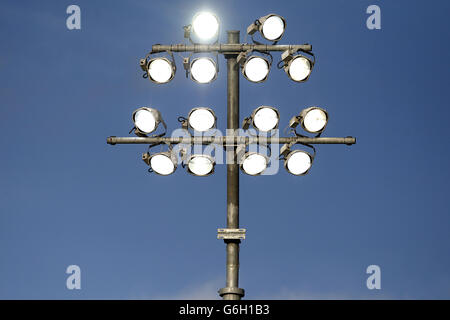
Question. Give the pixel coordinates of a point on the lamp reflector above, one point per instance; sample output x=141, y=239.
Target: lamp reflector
x=160, y=70
x=265, y=119
x=200, y=165
x=205, y=25
x=273, y=28
x=315, y=120
x=256, y=69
x=202, y=119
x=145, y=120
x=298, y=162
x=254, y=164
x=299, y=68
x=162, y=164
x=203, y=70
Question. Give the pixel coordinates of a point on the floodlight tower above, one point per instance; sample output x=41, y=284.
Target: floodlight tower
x=254, y=61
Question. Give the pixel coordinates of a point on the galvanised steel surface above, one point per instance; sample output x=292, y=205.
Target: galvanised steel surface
x=228, y=47
x=230, y=140
x=232, y=290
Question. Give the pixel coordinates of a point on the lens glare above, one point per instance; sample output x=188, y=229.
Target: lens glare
x=273, y=28
x=145, y=121
x=299, y=69
x=315, y=120
x=162, y=164
x=201, y=119
x=200, y=165
x=160, y=70
x=256, y=69
x=265, y=119
x=298, y=162
x=205, y=25
x=254, y=164
x=203, y=70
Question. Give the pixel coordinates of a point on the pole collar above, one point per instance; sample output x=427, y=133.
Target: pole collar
x=231, y=290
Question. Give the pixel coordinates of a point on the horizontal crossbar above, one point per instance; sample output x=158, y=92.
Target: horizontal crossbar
x=228, y=48
x=229, y=140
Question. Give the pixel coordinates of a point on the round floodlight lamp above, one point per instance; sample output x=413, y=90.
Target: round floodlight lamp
x=201, y=119
x=265, y=118
x=299, y=68
x=298, y=162
x=256, y=69
x=254, y=163
x=163, y=163
x=200, y=165
x=205, y=25
x=203, y=70
x=146, y=120
x=314, y=119
x=160, y=70
x=272, y=27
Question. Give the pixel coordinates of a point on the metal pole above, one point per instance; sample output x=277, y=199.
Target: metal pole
x=232, y=290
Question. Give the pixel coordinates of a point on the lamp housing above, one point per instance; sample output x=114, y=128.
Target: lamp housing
x=162, y=163
x=271, y=27
x=254, y=163
x=298, y=162
x=200, y=165
x=297, y=66
x=203, y=70
x=201, y=119
x=146, y=120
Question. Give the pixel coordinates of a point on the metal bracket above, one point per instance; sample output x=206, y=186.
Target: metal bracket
x=246, y=123
x=294, y=122
x=146, y=158
x=223, y=234
x=187, y=31
x=251, y=29
x=285, y=149
x=241, y=58
x=143, y=64
x=286, y=56
x=187, y=65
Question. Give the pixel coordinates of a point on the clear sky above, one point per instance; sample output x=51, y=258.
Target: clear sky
x=69, y=198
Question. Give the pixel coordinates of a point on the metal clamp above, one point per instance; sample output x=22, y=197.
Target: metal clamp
x=231, y=290
x=224, y=234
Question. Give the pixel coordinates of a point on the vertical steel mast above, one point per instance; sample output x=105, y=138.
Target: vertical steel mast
x=232, y=290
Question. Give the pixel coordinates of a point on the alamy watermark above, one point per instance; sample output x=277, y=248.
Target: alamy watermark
x=374, y=20
x=74, y=280
x=374, y=280
x=73, y=21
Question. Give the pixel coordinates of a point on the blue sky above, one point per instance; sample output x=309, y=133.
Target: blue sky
x=69, y=198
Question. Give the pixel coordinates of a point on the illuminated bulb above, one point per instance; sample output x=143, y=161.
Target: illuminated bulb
x=203, y=70
x=265, y=119
x=162, y=164
x=145, y=121
x=299, y=68
x=160, y=70
x=205, y=25
x=200, y=165
x=254, y=164
x=201, y=119
x=273, y=28
x=298, y=162
x=256, y=69
x=315, y=120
